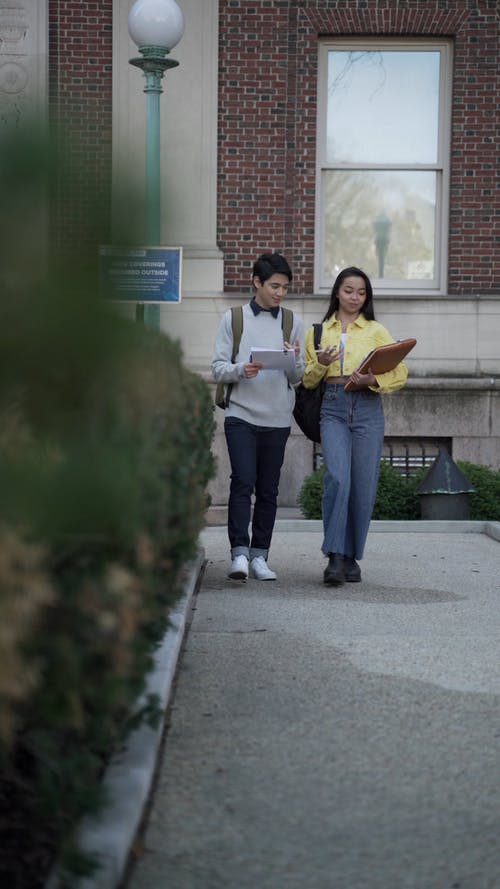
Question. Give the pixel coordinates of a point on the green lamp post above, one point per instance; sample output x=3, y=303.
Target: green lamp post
x=155, y=26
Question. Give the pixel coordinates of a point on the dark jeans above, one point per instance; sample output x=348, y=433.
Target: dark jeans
x=256, y=454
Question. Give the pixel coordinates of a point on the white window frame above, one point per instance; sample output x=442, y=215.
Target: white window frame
x=438, y=285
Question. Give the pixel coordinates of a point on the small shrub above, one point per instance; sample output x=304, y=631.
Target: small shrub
x=485, y=498
x=310, y=494
x=396, y=495
x=105, y=455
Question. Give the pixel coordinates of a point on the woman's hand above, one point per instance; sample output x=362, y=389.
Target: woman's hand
x=329, y=354
x=364, y=380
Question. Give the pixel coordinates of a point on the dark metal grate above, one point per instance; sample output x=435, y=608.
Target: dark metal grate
x=406, y=454
x=411, y=454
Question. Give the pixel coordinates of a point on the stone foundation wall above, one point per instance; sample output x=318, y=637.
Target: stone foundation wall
x=465, y=410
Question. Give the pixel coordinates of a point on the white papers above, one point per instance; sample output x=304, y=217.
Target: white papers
x=274, y=359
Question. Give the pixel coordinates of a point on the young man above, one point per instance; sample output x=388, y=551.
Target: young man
x=258, y=417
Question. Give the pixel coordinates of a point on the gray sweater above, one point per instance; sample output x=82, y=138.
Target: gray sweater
x=267, y=399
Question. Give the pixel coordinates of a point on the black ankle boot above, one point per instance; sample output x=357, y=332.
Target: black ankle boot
x=352, y=571
x=334, y=571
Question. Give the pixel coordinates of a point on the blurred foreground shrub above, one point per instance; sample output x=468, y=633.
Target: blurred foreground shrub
x=397, y=497
x=105, y=457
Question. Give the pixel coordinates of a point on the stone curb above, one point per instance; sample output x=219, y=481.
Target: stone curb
x=422, y=526
x=128, y=780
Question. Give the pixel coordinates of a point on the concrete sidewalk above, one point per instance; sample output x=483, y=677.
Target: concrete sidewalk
x=336, y=738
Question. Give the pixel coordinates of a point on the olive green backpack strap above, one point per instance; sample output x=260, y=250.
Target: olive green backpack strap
x=223, y=392
x=287, y=324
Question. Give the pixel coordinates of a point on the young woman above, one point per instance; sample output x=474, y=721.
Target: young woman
x=352, y=423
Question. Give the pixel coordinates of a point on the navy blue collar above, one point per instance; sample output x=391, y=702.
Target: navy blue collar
x=256, y=309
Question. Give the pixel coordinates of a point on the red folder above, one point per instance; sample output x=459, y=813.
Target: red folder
x=382, y=359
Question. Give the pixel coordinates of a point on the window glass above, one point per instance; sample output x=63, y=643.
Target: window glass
x=382, y=107
x=382, y=221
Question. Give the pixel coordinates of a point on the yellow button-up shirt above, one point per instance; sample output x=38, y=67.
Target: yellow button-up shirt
x=361, y=337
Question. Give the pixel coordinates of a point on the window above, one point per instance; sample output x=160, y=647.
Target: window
x=383, y=163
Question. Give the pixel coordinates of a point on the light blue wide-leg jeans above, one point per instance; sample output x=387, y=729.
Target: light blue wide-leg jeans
x=352, y=434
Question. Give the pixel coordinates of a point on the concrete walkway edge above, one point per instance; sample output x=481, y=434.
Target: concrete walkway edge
x=129, y=777
x=435, y=526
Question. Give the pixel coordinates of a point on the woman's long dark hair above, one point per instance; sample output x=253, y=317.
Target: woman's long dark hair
x=350, y=272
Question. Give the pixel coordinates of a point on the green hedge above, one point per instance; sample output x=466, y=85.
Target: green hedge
x=105, y=457
x=397, y=497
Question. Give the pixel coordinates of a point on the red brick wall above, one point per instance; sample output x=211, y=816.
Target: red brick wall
x=80, y=90
x=267, y=126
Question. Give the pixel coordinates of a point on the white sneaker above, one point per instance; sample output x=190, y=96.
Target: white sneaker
x=239, y=568
x=260, y=570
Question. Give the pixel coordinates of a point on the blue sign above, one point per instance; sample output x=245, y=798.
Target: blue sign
x=141, y=274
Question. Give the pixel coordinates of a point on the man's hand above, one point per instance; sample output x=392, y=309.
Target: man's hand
x=295, y=347
x=251, y=369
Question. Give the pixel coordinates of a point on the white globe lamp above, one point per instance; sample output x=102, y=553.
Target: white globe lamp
x=156, y=23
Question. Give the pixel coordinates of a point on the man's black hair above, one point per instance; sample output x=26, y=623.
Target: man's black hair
x=271, y=264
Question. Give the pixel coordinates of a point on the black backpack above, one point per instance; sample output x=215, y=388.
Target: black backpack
x=308, y=401
x=223, y=390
